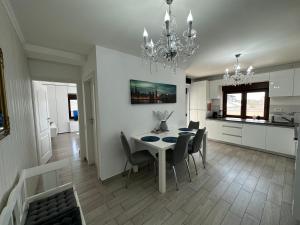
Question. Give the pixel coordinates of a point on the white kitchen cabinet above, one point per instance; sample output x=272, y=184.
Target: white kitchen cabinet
x=281, y=83
x=281, y=140
x=297, y=82
x=232, y=132
x=199, y=95
x=215, y=89
x=214, y=129
x=198, y=115
x=254, y=136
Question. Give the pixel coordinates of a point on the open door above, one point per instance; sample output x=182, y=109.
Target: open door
x=42, y=125
x=90, y=122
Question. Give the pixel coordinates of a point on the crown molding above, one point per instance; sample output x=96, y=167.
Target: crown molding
x=54, y=55
x=12, y=16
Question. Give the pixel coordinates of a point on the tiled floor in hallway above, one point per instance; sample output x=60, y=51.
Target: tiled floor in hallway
x=239, y=186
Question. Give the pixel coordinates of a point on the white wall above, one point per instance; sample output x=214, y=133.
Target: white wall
x=114, y=70
x=18, y=150
x=51, y=71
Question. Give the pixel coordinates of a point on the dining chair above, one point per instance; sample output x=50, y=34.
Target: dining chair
x=138, y=158
x=179, y=154
x=194, y=125
x=195, y=146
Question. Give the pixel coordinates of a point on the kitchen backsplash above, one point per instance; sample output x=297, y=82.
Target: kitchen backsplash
x=285, y=109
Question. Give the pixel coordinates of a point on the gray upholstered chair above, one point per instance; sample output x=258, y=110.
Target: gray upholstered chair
x=195, y=146
x=179, y=154
x=194, y=125
x=138, y=158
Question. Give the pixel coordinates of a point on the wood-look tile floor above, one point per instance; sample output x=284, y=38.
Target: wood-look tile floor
x=238, y=187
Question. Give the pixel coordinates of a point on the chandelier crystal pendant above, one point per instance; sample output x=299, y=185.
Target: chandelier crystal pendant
x=238, y=77
x=170, y=49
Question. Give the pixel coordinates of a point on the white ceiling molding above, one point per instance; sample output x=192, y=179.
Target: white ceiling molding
x=54, y=55
x=13, y=19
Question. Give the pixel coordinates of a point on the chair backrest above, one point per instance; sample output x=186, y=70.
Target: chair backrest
x=198, y=140
x=194, y=125
x=126, y=147
x=180, y=150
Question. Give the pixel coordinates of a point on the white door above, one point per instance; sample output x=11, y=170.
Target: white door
x=90, y=122
x=42, y=122
x=62, y=109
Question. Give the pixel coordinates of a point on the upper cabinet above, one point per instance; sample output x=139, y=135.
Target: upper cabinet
x=297, y=82
x=199, y=95
x=281, y=83
x=215, y=89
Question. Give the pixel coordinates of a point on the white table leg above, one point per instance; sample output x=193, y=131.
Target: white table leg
x=162, y=171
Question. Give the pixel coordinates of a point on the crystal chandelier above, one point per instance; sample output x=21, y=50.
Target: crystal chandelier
x=170, y=49
x=238, y=77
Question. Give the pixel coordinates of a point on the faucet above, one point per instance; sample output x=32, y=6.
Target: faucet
x=289, y=120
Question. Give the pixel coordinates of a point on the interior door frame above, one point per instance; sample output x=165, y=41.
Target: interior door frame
x=91, y=81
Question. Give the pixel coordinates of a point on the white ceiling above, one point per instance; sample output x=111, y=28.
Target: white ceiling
x=266, y=32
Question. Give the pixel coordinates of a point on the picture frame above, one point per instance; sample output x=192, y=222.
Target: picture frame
x=4, y=118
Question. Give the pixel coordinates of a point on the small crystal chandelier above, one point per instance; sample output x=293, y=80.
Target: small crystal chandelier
x=169, y=49
x=238, y=77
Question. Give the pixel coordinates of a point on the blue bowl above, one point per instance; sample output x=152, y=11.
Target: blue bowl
x=170, y=139
x=150, y=138
x=185, y=133
x=185, y=129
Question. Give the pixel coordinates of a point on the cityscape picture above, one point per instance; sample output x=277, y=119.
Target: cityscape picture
x=144, y=92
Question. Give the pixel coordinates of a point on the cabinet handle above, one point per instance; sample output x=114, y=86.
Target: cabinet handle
x=231, y=135
x=232, y=127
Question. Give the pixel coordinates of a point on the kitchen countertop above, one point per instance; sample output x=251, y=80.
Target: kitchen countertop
x=254, y=121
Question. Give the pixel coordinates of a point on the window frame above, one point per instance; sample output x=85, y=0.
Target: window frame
x=71, y=97
x=244, y=89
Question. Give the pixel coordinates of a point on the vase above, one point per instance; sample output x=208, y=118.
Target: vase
x=163, y=125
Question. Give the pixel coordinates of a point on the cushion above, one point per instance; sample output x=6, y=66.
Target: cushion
x=54, y=206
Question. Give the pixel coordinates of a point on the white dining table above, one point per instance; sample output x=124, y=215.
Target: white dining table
x=160, y=146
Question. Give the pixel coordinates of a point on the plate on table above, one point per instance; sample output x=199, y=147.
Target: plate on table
x=186, y=133
x=170, y=139
x=150, y=138
x=185, y=129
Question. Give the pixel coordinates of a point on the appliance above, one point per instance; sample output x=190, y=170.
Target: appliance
x=170, y=49
x=238, y=77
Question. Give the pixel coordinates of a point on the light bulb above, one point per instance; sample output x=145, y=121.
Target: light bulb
x=167, y=16
x=190, y=17
x=145, y=33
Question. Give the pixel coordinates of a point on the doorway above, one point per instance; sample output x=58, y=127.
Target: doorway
x=56, y=114
x=90, y=121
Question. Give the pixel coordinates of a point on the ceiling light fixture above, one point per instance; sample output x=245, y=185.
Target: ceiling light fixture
x=169, y=49
x=238, y=77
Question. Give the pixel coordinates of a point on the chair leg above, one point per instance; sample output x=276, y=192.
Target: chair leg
x=195, y=164
x=175, y=176
x=188, y=169
x=155, y=171
x=125, y=169
x=128, y=177
x=200, y=153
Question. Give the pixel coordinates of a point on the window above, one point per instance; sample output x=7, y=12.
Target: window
x=246, y=101
x=234, y=104
x=73, y=105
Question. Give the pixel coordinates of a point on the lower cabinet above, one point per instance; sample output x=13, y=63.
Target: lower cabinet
x=281, y=140
x=214, y=129
x=271, y=138
x=254, y=136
